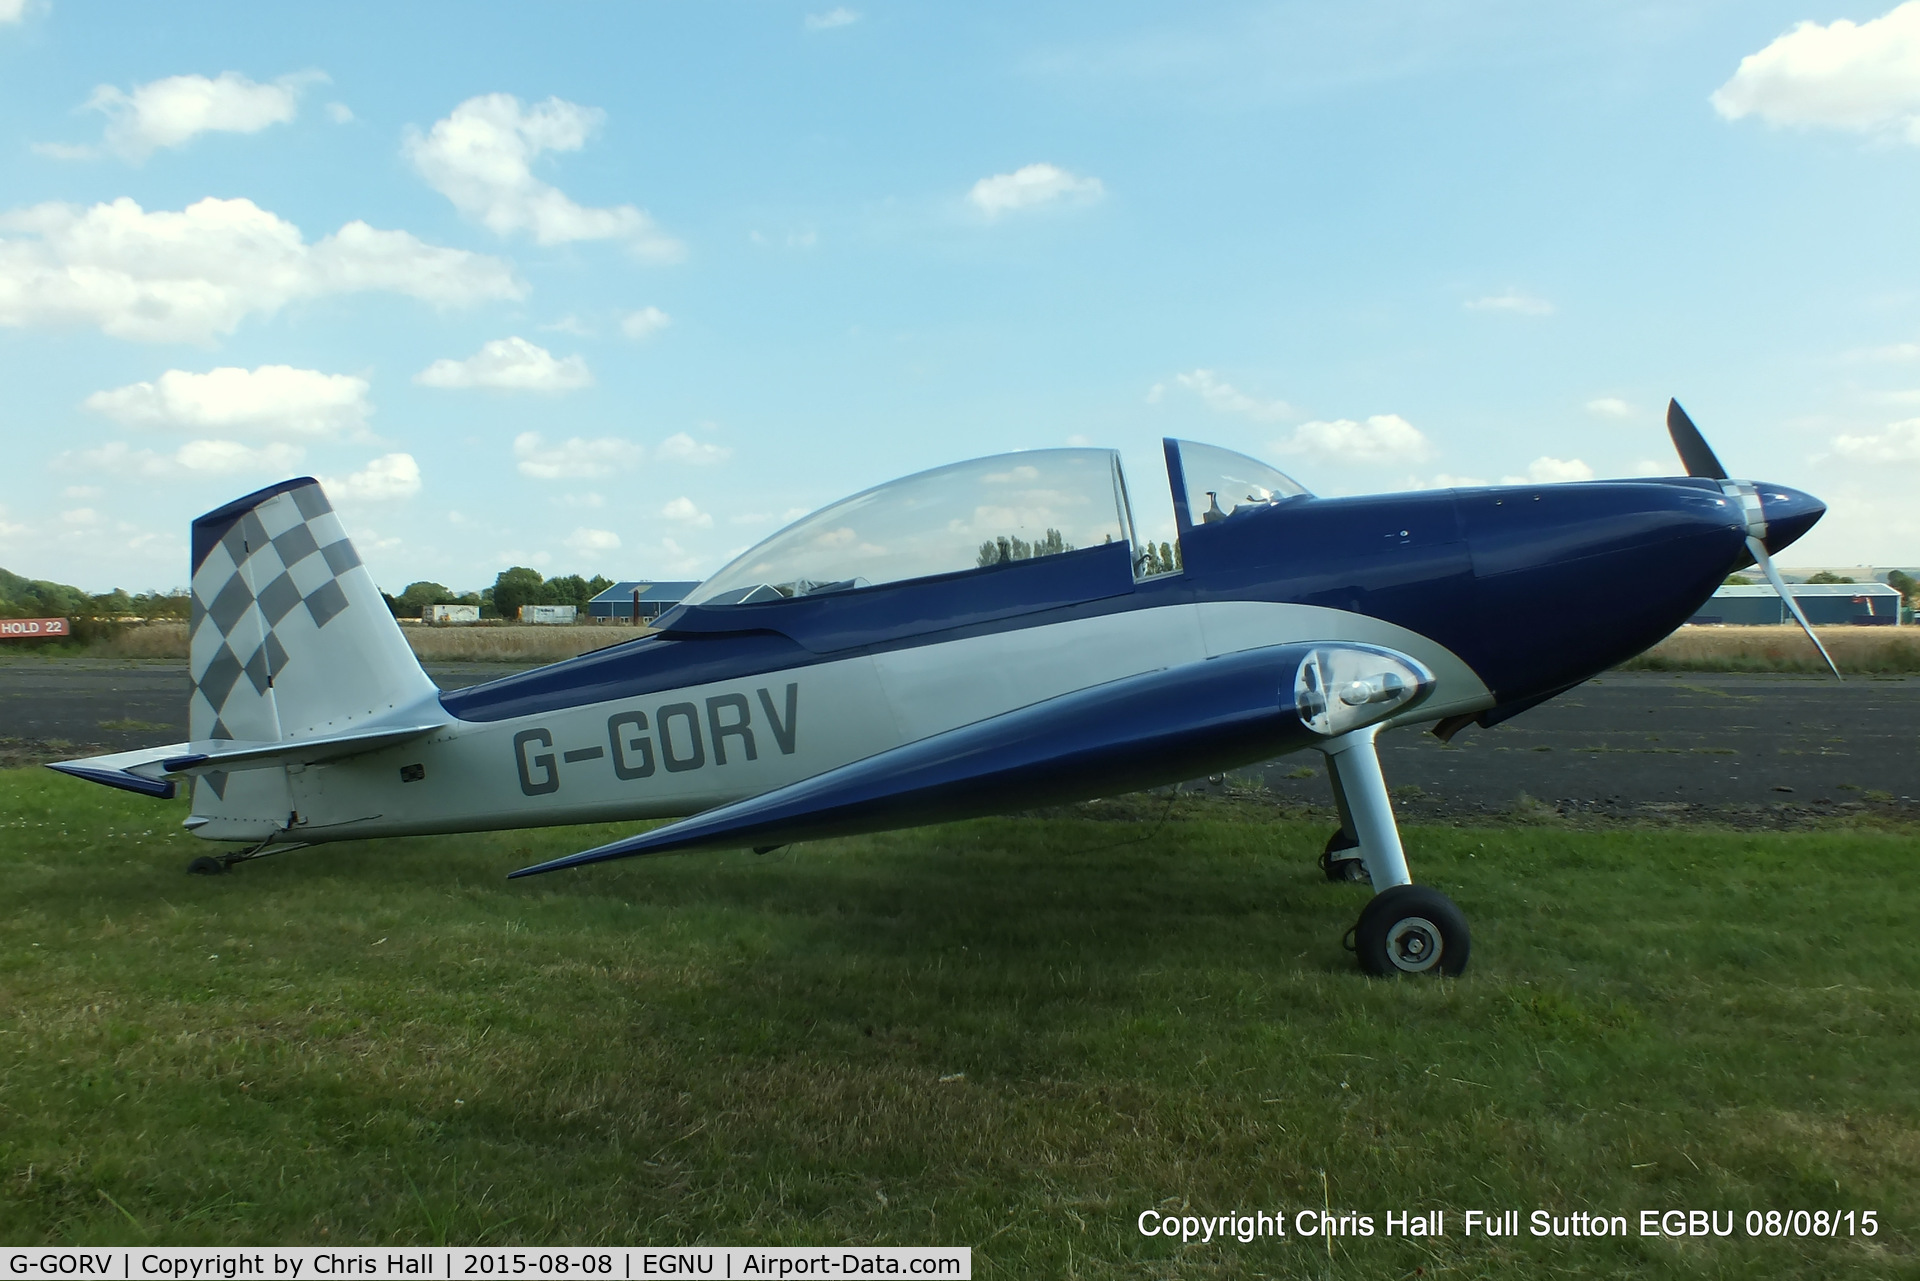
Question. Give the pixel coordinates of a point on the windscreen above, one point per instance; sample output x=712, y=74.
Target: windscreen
x=969, y=515
x=1221, y=483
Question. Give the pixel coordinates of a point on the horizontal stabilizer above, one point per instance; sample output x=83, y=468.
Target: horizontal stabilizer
x=151, y=770
x=140, y=771
x=1141, y=731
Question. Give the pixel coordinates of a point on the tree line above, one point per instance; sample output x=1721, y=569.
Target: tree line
x=511, y=589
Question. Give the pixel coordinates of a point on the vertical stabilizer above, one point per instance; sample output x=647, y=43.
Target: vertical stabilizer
x=290, y=638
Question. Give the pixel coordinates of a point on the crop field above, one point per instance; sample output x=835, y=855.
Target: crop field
x=488, y=644
x=1858, y=650
x=1012, y=1034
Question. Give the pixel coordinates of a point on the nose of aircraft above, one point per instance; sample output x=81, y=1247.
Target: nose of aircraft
x=1790, y=513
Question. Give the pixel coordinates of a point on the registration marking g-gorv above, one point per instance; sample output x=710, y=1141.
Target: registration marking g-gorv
x=673, y=738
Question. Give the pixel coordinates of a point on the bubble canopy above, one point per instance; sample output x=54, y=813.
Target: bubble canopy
x=969, y=515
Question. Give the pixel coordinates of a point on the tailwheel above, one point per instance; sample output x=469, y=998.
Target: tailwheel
x=1411, y=929
x=207, y=865
x=1341, y=860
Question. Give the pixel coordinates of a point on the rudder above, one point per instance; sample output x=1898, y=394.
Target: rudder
x=289, y=635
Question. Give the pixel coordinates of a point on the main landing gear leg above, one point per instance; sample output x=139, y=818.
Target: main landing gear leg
x=1341, y=860
x=1405, y=928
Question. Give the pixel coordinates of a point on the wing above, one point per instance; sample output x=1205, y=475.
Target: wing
x=1158, y=727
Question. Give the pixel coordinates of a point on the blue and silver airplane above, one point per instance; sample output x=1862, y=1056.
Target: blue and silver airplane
x=984, y=637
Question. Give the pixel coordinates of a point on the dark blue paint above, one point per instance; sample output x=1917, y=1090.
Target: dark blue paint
x=209, y=529
x=1127, y=734
x=163, y=789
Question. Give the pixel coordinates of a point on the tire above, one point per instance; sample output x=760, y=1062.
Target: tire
x=1337, y=867
x=206, y=865
x=1412, y=929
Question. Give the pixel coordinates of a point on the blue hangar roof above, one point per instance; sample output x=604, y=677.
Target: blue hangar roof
x=650, y=592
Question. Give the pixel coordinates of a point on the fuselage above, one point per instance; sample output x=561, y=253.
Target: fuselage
x=1506, y=594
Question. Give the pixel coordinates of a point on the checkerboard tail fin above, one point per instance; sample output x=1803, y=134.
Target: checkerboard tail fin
x=290, y=638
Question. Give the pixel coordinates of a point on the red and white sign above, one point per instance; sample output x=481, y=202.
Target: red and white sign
x=16, y=628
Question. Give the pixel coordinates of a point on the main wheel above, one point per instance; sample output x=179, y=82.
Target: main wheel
x=1411, y=929
x=1337, y=860
x=206, y=865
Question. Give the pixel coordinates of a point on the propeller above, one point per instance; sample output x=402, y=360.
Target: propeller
x=1699, y=460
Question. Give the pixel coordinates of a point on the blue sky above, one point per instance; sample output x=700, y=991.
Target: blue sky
x=622, y=288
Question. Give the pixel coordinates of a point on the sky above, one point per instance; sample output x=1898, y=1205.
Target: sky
x=623, y=289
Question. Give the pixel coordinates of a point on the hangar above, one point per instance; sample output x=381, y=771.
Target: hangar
x=1866, y=604
x=643, y=596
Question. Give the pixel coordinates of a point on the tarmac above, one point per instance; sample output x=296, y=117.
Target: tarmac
x=1766, y=750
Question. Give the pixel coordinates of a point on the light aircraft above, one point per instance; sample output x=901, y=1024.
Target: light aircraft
x=980, y=638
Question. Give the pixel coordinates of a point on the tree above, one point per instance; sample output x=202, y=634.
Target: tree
x=516, y=587
x=422, y=594
x=1737, y=580
x=998, y=551
x=1826, y=576
x=570, y=590
x=1906, y=584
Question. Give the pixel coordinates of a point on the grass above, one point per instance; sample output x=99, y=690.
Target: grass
x=1011, y=1034
x=1856, y=650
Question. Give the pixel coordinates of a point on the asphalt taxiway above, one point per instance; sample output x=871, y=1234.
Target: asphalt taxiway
x=1775, y=749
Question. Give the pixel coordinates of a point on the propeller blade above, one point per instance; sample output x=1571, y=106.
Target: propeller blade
x=1694, y=453
x=1759, y=550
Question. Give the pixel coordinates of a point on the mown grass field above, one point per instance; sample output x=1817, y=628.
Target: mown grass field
x=1011, y=1034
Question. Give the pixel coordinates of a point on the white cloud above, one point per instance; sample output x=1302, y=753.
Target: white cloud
x=1383, y=438
x=645, y=323
x=511, y=364
x=1899, y=443
x=1551, y=471
x=1225, y=398
x=481, y=157
x=385, y=479
x=193, y=275
x=683, y=510
x=340, y=113
x=196, y=457
x=273, y=400
x=593, y=540
x=1647, y=467
x=82, y=491
x=1859, y=76
x=1512, y=300
x=682, y=448
x=1611, y=407
x=171, y=111
x=571, y=324
x=575, y=459
x=840, y=17
x=1031, y=186
x=1445, y=481
x=81, y=516
x=12, y=10
x=1893, y=353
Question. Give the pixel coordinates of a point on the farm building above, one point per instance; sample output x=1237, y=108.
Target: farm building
x=548, y=613
x=653, y=599
x=1868, y=604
